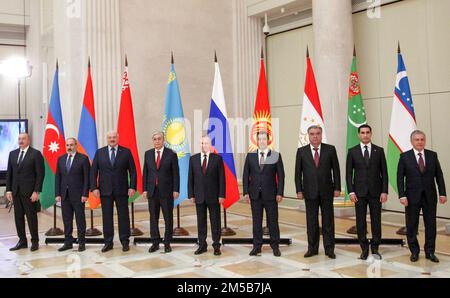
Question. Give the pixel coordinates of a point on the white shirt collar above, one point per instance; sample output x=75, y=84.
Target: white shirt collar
x=312, y=148
x=266, y=152
x=161, y=151
x=115, y=147
x=207, y=155
x=24, y=150
x=73, y=154
x=416, y=153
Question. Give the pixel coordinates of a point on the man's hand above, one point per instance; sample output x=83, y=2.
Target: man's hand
x=192, y=200
x=300, y=196
x=131, y=193
x=404, y=202
x=9, y=196
x=176, y=195
x=443, y=200
x=84, y=199
x=247, y=199
x=353, y=198
x=383, y=198
x=337, y=193
x=221, y=201
x=145, y=195
x=279, y=199
x=35, y=197
x=58, y=199
x=96, y=193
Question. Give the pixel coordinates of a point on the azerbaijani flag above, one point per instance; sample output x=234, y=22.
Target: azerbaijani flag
x=219, y=132
x=403, y=121
x=174, y=130
x=54, y=144
x=87, y=134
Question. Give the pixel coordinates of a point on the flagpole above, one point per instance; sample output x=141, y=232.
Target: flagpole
x=179, y=231
x=135, y=232
x=55, y=231
x=226, y=231
x=92, y=231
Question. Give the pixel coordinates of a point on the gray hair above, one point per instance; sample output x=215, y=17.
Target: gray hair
x=73, y=139
x=315, y=127
x=159, y=133
x=417, y=133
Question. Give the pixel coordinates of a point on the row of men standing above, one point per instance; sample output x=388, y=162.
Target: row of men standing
x=317, y=175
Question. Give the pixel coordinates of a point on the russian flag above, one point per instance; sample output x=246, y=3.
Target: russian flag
x=219, y=132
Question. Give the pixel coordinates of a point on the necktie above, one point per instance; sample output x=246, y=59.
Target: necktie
x=22, y=154
x=158, y=164
x=69, y=163
x=205, y=160
x=113, y=156
x=261, y=161
x=421, y=163
x=366, y=155
x=316, y=157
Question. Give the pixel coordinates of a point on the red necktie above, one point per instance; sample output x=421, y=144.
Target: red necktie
x=205, y=159
x=421, y=163
x=317, y=157
x=158, y=164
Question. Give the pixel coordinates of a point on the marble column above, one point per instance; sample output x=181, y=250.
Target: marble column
x=333, y=43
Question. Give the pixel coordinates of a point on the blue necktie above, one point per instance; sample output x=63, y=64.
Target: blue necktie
x=69, y=163
x=113, y=156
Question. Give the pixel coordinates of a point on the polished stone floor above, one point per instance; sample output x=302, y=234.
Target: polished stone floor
x=235, y=261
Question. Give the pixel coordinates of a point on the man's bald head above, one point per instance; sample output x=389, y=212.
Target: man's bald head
x=112, y=138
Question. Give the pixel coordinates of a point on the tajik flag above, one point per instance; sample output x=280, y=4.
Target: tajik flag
x=54, y=144
x=262, y=119
x=219, y=132
x=403, y=122
x=127, y=129
x=312, y=110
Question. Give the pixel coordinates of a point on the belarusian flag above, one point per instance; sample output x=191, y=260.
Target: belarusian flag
x=403, y=121
x=262, y=119
x=312, y=109
x=54, y=144
x=127, y=130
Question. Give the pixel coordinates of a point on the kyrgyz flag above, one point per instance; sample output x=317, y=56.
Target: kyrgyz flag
x=87, y=134
x=54, y=144
x=312, y=109
x=262, y=119
x=219, y=132
x=127, y=130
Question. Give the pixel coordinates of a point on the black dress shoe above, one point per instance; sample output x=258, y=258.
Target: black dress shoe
x=377, y=255
x=65, y=247
x=125, y=247
x=154, y=248
x=432, y=258
x=331, y=255
x=217, y=252
x=310, y=254
x=276, y=252
x=107, y=248
x=167, y=248
x=364, y=255
x=200, y=251
x=34, y=247
x=255, y=252
x=81, y=247
x=414, y=258
x=19, y=246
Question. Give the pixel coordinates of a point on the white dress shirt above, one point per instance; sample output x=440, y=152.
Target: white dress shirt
x=369, y=148
x=110, y=151
x=24, y=153
x=416, y=153
x=161, y=151
x=266, y=153
x=313, y=152
x=207, y=158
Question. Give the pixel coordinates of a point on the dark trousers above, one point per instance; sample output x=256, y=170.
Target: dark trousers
x=429, y=211
x=108, y=218
x=375, y=221
x=24, y=207
x=71, y=206
x=258, y=206
x=155, y=205
x=312, y=221
x=215, y=220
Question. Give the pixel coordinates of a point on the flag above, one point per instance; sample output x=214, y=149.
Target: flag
x=403, y=121
x=127, y=130
x=312, y=109
x=87, y=133
x=54, y=144
x=262, y=119
x=356, y=110
x=219, y=132
x=175, y=131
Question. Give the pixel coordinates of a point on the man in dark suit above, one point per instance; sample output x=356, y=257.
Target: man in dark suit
x=24, y=180
x=367, y=184
x=263, y=181
x=318, y=180
x=72, y=190
x=113, y=178
x=418, y=173
x=161, y=178
x=206, y=189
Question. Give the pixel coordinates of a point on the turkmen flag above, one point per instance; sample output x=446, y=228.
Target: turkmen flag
x=54, y=144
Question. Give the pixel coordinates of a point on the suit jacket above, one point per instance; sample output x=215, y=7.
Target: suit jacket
x=27, y=178
x=74, y=183
x=363, y=179
x=313, y=181
x=168, y=174
x=114, y=179
x=210, y=187
x=269, y=182
x=412, y=183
